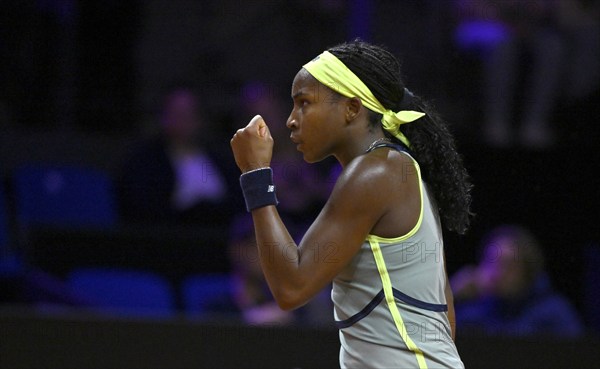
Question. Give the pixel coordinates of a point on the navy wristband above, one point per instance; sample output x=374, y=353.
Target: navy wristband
x=258, y=188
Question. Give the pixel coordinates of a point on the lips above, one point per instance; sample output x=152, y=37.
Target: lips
x=297, y=141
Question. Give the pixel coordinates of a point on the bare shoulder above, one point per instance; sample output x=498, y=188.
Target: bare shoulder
x=373, y=195
x=375, y=176
x=381, y=167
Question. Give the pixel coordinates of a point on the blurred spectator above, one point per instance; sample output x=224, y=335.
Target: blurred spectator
x=508, y=292
x=504, y=32
x=177, y=177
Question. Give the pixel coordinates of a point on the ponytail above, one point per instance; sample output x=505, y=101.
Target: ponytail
x=431, y=143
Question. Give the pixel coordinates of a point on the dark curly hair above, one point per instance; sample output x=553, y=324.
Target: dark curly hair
x=431, y=143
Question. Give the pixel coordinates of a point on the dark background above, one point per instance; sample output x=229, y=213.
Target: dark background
x=79, y=81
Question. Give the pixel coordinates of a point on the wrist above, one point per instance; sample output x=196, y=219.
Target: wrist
x=258, y=188
x=250, y=167
x=250, y=170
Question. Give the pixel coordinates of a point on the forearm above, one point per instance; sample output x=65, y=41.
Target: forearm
x=279, y=256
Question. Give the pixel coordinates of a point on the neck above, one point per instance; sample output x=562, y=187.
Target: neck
x=358, y=146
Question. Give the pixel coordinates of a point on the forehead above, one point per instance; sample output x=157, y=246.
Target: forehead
x=304, y=83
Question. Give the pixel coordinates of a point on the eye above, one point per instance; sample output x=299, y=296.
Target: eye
x=300, y=103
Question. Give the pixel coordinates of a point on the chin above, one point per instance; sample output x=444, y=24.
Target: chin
x=312, y=158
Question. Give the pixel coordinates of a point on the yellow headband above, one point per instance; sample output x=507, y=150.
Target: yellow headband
x=330, y=71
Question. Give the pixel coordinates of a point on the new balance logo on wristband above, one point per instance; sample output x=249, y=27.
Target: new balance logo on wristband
x=253, y=185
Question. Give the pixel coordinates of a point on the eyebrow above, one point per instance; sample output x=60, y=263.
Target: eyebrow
x=299, y=93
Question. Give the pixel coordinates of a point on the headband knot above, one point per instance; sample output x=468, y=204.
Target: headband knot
x=333, y=73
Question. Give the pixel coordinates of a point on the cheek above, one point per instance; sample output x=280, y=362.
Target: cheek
x=309, y=123
x=322, y=121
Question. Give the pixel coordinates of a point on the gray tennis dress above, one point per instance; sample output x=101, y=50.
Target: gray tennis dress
x=389, y=301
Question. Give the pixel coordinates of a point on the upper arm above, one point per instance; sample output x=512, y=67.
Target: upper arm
x=354, y=207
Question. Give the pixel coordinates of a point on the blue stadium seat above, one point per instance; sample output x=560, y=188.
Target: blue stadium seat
x=63, y=196
x=123, y=291
x=203, y=293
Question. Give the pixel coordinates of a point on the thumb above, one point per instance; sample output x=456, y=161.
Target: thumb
x=261, y=126
x=263, y=130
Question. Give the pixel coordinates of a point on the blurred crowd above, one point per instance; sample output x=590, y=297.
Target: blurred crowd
x=535, y=55
x=509, y=291
x=533, y=59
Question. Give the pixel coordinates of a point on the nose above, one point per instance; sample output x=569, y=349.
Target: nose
x=291, y=122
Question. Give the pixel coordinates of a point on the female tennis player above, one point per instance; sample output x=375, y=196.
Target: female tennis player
x=379, y=236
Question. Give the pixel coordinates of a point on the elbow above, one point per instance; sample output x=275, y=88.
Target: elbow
x=286, y=305
x=289, y=300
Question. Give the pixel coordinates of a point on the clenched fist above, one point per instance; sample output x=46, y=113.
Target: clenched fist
x=253, y=145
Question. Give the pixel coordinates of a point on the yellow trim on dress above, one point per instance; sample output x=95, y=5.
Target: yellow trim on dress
x=391, y=303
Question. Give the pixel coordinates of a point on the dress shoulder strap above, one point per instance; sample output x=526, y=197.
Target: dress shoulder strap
x=392, y=145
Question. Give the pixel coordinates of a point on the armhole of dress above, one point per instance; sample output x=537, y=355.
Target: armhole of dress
x=421, y=211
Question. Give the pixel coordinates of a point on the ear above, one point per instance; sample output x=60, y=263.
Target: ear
x=353, y=108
